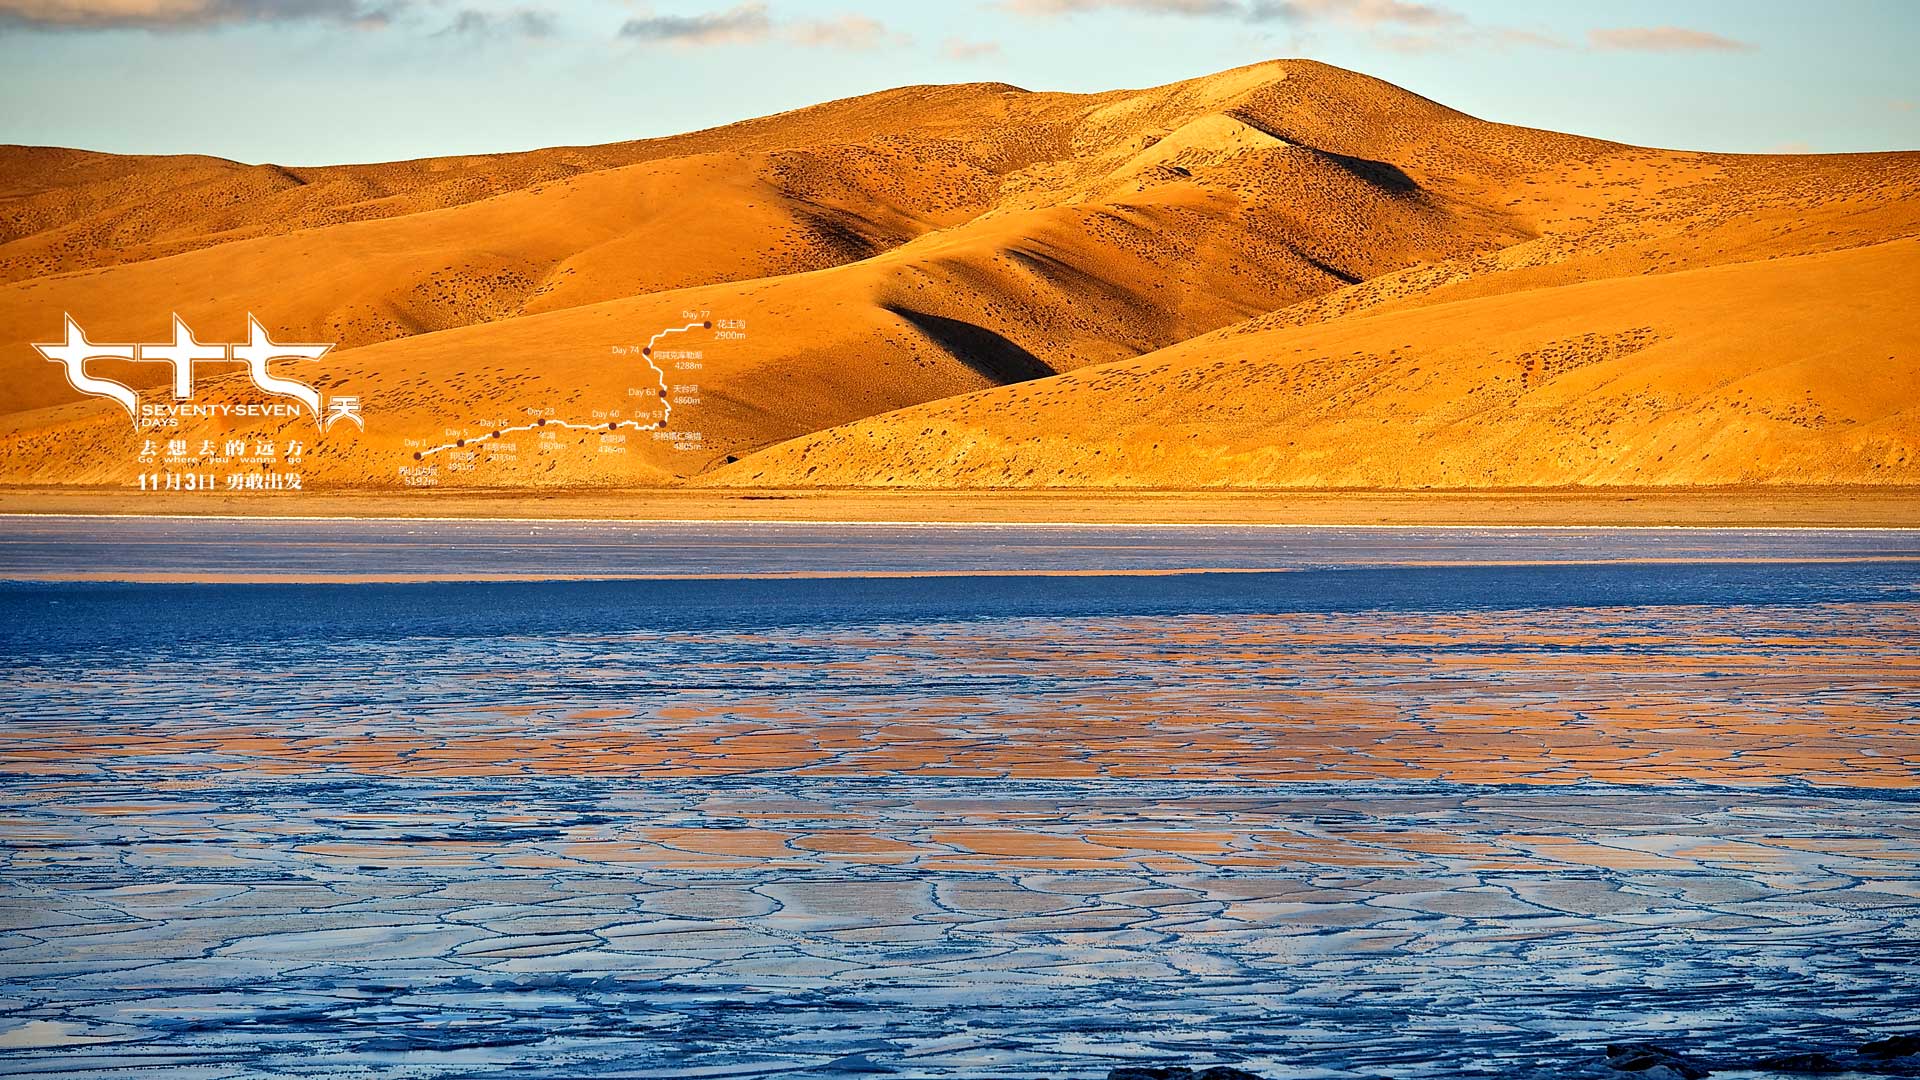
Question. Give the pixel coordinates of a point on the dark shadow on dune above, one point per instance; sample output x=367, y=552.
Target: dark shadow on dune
x=1325, y=267
x=843, y=239
x=979, y=348
x=1378, y=173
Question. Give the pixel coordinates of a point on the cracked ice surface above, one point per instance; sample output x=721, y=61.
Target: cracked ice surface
x=935, y=927
x=1413, y=840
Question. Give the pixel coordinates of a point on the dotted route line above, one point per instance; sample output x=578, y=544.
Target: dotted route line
x=612, y=425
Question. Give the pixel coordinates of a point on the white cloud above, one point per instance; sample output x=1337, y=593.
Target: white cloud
x=843, y=32
x=184, y=14
x=1367, y=14
x=960, y=49
x=745, y=24
x=1663, y=39
x=1152, y=7
x=736, y=25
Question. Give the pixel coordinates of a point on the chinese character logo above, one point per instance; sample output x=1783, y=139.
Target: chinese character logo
x=185, y=353
x=343, y=408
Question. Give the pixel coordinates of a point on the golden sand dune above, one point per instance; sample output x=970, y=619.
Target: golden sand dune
x=1285, y=274
x=1742, y=374
x=72, y=209
x=613, y=233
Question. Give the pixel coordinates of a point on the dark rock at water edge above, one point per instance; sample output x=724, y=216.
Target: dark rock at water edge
x=1798, y=1063
x=1897, y=1055
x=1653, y=1062
x=1894, y=1046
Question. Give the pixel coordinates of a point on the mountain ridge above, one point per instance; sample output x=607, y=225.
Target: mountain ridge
x=893, y=251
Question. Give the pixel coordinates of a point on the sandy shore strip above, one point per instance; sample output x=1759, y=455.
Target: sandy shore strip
x=1853, y=507
x=323, y=577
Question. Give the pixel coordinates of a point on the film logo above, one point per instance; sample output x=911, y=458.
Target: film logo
x=184, y=354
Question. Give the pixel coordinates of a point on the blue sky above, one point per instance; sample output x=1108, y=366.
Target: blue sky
x=318, y=81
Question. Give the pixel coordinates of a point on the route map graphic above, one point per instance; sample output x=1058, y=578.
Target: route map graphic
x=666, y=404
x=663, y=385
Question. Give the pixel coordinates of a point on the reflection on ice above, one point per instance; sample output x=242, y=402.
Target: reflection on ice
x=417, y=835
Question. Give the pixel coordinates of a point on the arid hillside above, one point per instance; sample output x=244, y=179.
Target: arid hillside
x=1737, y=374
x=1284, y=275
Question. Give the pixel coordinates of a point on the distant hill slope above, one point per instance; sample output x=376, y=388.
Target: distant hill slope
x=894, y=251
x=66, y=209
x=1800, y=371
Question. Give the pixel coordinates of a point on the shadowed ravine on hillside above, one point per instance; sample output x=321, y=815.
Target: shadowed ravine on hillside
x=993, y=357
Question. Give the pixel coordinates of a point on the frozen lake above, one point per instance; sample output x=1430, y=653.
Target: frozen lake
x=732, y=801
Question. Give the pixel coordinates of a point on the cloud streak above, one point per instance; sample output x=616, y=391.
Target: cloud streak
x=1362, y=13
x=524, y=22
x=750, y=23
x=1663, y=39
x=1366, y=14
x=961, y=49
x=1149, y=7
x=734, y=26
x=843, y=32
x=189, y=14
